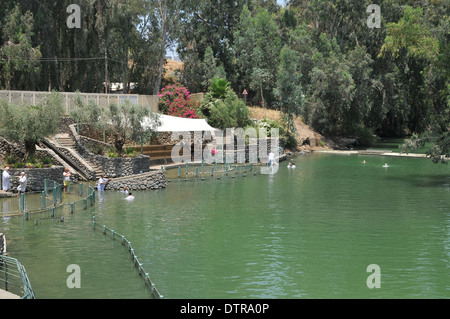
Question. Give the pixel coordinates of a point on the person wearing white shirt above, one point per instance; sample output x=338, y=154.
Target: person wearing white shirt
x=22, y=183
x=101, y=183
x=129, y=197
x=5, y=179
x=271, y=159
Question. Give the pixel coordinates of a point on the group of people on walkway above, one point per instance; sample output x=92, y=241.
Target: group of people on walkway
x=6, y=182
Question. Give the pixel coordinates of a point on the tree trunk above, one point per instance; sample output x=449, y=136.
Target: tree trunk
x=163, y=48
x=30, y=148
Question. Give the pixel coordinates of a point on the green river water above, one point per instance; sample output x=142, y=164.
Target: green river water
x=308, y=232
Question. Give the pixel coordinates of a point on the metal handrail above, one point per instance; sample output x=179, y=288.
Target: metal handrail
x=14, y=278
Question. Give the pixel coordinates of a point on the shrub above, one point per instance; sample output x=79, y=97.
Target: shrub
x=112, y=153
x=130, y=151
x=223, y=108
x=11, y=160
x=46, y=160
x=176, y=101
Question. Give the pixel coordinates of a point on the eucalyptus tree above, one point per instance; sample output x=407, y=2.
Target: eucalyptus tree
x=257, y=49
x=289, y=91
x=159, y=24
x=19, y=59
x=206, y=24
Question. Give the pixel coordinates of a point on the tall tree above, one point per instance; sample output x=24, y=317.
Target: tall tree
x=161, y=20
x=19, y=60
x=289, y=89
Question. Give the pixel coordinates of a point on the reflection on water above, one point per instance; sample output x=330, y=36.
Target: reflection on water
x=308, y=232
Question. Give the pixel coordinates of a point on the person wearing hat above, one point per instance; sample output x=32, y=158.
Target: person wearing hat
x=5, y=179
x=22, y=183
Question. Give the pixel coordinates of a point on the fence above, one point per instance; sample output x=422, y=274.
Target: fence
x=194, y=171
x=107, y=231
x=102, y=100
x=14, y=278
x=50, y=201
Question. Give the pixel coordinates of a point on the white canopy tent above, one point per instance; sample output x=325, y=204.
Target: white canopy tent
x=179, y=124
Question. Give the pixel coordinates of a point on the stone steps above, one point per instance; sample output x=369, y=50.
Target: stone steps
x=64, y=140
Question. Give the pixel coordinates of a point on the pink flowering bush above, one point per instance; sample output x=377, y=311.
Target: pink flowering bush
x=176, y=101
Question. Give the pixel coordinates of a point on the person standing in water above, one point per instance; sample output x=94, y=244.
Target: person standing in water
x=66, y=178
x=101, y=183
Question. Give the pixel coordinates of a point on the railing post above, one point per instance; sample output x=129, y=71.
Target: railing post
x=22, y=202
x=43, y=199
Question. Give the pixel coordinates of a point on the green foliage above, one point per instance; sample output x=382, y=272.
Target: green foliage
x=11, y=159
x=46, y=160
x=130, y=122
x=412, y=34
x=29, y=125
x=211, y=69
x=112, y=153
x=219, y=88
x=19, y=63
x=289, y=88
x=356, y=81
x=130, y=151
x=267, y=125
x=38, y=162
x=439, y=150
x=222, y=107
x=83, y=112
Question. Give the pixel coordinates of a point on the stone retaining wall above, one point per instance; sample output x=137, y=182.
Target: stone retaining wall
x=8, y=148
x=36, y=177
x=146, y=181
x=111, y=166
